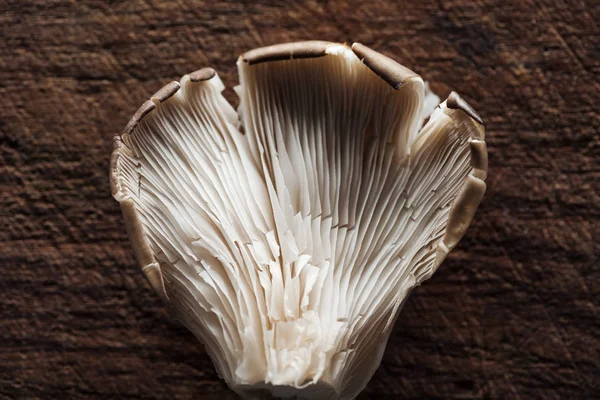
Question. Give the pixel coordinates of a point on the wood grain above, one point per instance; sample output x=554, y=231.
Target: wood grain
x=513, y=313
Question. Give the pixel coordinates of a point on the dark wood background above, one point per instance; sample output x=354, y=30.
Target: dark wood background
x=514, y=311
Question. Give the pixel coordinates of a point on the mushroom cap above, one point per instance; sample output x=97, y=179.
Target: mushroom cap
x=289, y=247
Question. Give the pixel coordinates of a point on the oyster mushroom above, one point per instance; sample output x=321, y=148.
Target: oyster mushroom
x=289, y=246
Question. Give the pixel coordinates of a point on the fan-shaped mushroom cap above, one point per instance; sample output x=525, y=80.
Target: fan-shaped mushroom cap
x=289, y=249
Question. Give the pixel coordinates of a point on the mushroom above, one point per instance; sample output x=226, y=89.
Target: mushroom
x=287, y=236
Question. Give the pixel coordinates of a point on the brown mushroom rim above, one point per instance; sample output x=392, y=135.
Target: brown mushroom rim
x=163, y=94
x=166, y=91
x=203, y=74
x=462, y=212
x=138, y=116
x=456, y=102
x=155, y=278
x=479, y=158
x=135, y=230
x=143, y=253
x=287, y=51
x=387, y=69
x=467, y=201
x=114, y=161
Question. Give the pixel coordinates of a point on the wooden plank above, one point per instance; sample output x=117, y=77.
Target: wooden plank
x=513, y=312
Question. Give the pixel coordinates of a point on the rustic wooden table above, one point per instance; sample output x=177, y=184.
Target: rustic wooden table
x=513, y=312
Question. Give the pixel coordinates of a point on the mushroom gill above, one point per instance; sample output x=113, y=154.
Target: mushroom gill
x=289, y=246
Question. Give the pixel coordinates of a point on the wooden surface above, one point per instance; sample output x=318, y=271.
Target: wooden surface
x=513, y=313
